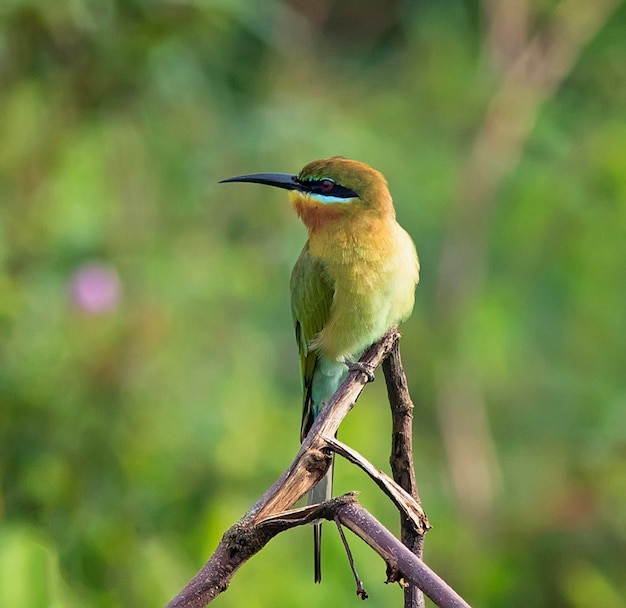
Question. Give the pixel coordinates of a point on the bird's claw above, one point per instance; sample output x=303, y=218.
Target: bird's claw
x=359, y=366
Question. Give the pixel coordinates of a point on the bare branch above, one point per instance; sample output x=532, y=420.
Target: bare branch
x=401, y=563
x=247, y=536
x=311, y=462
x=406, y=504
x=401, y=461
x=271, y=514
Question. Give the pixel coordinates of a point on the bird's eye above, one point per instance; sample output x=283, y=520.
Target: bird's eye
x=326, y=185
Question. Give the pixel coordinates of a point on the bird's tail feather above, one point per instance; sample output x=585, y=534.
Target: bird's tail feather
x=321, y=492
x=317, y=551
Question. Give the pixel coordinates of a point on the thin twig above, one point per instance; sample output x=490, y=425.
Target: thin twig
x=409, y=507
x=360, y=590
x=401, y=461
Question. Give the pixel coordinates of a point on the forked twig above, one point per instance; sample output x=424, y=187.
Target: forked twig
x=271, y=514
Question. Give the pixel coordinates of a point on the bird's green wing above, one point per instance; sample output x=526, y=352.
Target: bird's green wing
x=311, y=297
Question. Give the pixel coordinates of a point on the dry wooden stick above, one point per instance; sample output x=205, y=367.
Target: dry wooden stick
x=269, y=516
x=401, y=461
x=402, y=564
x=247, y=537
x=408, y=506
x=312, y=460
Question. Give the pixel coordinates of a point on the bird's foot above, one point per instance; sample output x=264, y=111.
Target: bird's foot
x=359, y=366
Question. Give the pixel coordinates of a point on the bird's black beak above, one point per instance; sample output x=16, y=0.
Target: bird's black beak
x=279, y=180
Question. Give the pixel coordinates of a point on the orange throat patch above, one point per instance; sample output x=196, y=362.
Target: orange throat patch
x=314, y=215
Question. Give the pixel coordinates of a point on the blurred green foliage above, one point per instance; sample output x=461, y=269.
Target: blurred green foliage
x=132, y=435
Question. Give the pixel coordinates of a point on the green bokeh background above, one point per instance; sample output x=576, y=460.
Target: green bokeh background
x=131, y=439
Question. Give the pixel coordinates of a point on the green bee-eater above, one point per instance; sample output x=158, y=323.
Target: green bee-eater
x=353, y=281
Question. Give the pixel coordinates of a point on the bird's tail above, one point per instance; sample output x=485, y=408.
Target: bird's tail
x=321, y=492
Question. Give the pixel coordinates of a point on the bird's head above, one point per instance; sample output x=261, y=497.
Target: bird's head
x=329, y=190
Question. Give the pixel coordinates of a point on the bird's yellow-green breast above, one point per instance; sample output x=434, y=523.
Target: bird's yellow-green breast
x=367, y=258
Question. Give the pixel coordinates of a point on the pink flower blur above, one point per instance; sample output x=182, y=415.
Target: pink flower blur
x=96, y=288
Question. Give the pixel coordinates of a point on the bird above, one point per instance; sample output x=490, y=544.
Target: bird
x=354, y=280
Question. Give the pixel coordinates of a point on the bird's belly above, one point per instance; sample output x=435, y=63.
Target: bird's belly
x=361, y=316
x=329, y=374
x=374, y=289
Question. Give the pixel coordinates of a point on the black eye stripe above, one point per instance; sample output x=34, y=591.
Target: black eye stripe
x=323, y=186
